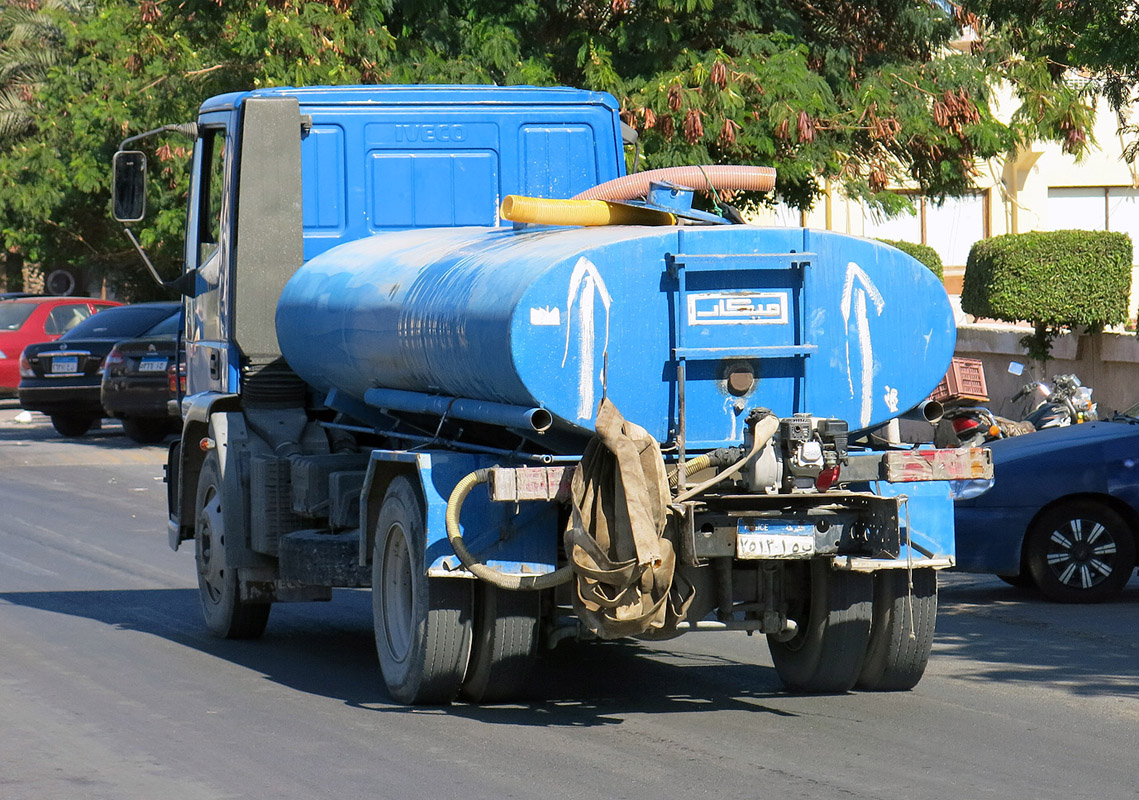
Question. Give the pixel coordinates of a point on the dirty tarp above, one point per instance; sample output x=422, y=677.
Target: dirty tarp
x=624, y=566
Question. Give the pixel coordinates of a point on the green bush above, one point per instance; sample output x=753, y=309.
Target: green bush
x=1054, y=280
x=922, y=252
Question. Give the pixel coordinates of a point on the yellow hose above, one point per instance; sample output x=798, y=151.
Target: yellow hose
x=690, y=468
x=544, y=211
x=480, y=570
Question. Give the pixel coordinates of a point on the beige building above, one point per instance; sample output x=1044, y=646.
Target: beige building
x=1043, y=189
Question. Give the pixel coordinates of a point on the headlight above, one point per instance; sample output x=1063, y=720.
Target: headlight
x=967, y=490
x=2, y=355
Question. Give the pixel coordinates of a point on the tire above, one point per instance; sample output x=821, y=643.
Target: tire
x=901, y=632
x=1081, y=552
x=504, y=644
x=70, y=425
x=1021, y=581
x=146, y=430
x=834, y=614
x=422, y=625
x=226, y=614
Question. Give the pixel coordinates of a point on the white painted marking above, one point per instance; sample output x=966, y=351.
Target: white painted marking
x=546, y=316
x=25, y=566
x=587, y=284
x=892, y=399
x=856, y=297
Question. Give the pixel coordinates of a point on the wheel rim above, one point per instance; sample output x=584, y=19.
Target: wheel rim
x=397, y=593
x=1081, y=553
x=211, y=542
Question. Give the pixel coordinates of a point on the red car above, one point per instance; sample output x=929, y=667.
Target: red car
x=37, y=319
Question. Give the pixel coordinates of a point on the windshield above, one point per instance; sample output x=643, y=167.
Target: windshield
x=168, y=326
x=122, y=322
x=13, y=315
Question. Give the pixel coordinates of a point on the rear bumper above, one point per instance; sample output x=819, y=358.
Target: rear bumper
x=61, y=399
x=136, y=398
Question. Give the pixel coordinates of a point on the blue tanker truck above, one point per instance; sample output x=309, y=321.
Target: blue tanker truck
x=441, y=345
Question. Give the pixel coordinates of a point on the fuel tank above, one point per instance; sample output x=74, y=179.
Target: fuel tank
x=671, y=323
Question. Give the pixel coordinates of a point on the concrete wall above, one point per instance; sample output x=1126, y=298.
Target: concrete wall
x=1107, y=362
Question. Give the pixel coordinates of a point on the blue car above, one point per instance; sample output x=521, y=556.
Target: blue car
x=1063, y=513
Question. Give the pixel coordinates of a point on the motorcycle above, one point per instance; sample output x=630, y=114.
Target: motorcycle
x=1065, y=402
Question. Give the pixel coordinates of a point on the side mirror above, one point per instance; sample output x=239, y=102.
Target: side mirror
x=128, y=192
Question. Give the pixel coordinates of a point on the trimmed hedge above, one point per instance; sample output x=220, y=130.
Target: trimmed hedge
x=1053, y=279
x=922, y=252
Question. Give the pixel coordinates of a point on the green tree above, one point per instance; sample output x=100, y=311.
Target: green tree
x=135, y=67
x=32, y=44
x=1060, y=56
x=859, y=94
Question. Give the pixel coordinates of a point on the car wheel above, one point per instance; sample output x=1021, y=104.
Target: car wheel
x=1021, y=581
x=70, y=425
x=145, y=430
x=1080, y=553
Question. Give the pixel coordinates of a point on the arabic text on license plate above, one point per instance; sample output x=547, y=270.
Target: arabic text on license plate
x=64, y=364
x=774, y=539
x=152, y=365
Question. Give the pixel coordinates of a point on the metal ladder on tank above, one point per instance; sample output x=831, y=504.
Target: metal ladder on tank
x=680, y=265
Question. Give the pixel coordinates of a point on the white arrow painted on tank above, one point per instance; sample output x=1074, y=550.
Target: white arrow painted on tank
x=854, y=299
x=587, y=283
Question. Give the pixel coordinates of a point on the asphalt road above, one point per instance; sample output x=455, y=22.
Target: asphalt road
x=110, y=688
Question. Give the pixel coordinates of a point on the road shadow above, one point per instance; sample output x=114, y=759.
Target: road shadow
x=327, y=649
x=1013, y=635
x=107, y=436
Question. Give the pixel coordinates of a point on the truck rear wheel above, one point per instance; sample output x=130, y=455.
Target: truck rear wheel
x=834, y=614
x=422, y=625
x=901, y=635
x=226, y=614
x=505, y=639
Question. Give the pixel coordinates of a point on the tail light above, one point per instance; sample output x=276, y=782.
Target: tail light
x=965, y=427
x=26, y=370
x=113, y=359
x=176, y=379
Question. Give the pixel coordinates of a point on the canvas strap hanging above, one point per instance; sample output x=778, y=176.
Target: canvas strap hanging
x=625, y=567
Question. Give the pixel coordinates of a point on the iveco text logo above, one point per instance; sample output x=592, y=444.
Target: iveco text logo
x=439, y=132
x=738, y=308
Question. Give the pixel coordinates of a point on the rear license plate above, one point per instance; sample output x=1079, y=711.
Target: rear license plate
x=152, y=365
x=774, y=539
x=63, y=365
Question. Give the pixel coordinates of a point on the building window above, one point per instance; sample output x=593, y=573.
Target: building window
x=949, y=228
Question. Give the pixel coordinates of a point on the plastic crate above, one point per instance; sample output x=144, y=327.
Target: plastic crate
x=965, y=381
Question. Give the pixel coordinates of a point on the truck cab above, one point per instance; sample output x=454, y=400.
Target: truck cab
x=295, y=172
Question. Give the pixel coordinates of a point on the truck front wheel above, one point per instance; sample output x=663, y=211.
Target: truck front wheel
x=833, y=610
x=226, y=614
x=422, y=624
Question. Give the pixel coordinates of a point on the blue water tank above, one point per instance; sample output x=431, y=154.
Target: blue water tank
x=792, y=319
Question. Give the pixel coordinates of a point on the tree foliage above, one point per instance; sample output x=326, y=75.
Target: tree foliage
x=1053, y=279
x=1060, y=55
x=859, y=94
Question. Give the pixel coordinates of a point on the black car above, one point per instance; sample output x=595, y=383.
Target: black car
x=140, y=378
x=63, y=378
